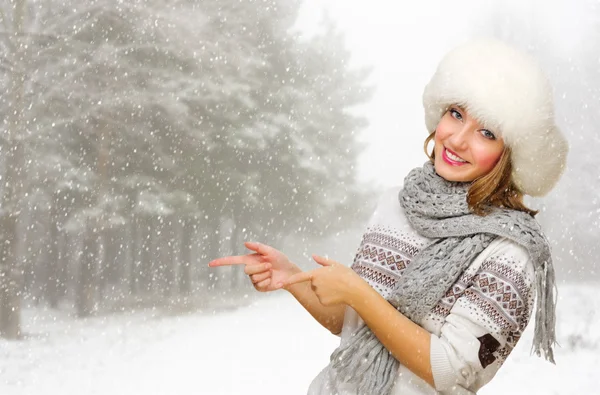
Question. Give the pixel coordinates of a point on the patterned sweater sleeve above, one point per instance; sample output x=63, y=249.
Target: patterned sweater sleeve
x=486, y=320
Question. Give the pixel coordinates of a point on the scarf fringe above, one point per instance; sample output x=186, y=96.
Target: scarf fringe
x=545, y=317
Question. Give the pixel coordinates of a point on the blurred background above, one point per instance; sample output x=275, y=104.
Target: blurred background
x=140, y=140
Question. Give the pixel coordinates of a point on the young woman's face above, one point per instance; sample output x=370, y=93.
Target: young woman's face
x=464, y=150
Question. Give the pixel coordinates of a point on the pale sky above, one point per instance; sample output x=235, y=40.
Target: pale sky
x=404, y=41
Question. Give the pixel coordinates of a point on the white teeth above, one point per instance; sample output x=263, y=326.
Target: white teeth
x=454, y=157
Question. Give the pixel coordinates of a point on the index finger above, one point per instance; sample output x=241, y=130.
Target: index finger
x=298, y=278
x=262, y=249
x=230, y=260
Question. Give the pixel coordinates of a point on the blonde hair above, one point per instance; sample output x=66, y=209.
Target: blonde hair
x=495, y=188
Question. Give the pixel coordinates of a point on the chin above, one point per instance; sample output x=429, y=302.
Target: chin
x=451, y=174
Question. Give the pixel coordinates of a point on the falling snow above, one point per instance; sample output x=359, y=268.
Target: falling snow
x=141, y=139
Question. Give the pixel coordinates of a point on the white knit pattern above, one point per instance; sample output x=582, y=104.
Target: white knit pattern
x=469, y=310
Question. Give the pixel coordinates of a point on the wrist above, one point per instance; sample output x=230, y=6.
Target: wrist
x=359, y=295
x=293, y=270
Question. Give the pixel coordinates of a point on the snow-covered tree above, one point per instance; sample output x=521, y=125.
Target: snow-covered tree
x=146, y=119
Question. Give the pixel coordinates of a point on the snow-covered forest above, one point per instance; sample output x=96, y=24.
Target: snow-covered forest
x=140, y=140
x=135, y=134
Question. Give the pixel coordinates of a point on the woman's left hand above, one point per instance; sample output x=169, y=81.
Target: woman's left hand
x=333, y=283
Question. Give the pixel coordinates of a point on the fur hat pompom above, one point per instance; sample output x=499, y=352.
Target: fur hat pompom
x=505, y=90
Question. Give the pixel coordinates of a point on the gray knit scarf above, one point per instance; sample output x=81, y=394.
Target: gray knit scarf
x=438, y=209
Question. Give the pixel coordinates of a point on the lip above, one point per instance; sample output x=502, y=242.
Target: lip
x=450, y=161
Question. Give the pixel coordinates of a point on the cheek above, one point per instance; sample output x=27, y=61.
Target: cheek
x=487, y=159
x=443, y=130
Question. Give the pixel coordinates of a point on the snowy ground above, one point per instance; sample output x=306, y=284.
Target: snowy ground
x=270, y=347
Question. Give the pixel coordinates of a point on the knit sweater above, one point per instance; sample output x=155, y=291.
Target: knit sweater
x=474, y=327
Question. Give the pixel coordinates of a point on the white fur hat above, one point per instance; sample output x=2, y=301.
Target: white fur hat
x=507, y=92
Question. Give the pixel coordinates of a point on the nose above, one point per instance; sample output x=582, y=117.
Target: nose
x=460, y=138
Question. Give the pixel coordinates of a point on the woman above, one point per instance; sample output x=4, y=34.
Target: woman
x=444, y=281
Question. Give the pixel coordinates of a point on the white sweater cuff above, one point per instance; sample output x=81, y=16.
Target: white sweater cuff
x=444, y=375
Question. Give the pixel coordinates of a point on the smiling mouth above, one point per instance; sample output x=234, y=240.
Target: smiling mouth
x=453, y=159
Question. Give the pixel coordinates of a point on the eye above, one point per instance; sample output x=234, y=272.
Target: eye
x=455, y=114
x=487, y=134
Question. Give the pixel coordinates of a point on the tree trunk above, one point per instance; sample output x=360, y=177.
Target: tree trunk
x=10, y=272
x=159, y=257
x=237, y=274
x=185, y=278
x=169, y=256
x=84, y=300
x=130, y=244
x=62, y=266
x=153, y=253
x=51, y=285
x=64, y=208
x=145, y=264
x=69, y=262
x=211, y=251
x=111, y=268
x=10, y=280
x=134, y=254
x=238, y=277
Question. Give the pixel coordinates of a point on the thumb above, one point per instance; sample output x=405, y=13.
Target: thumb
x=322, y=260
